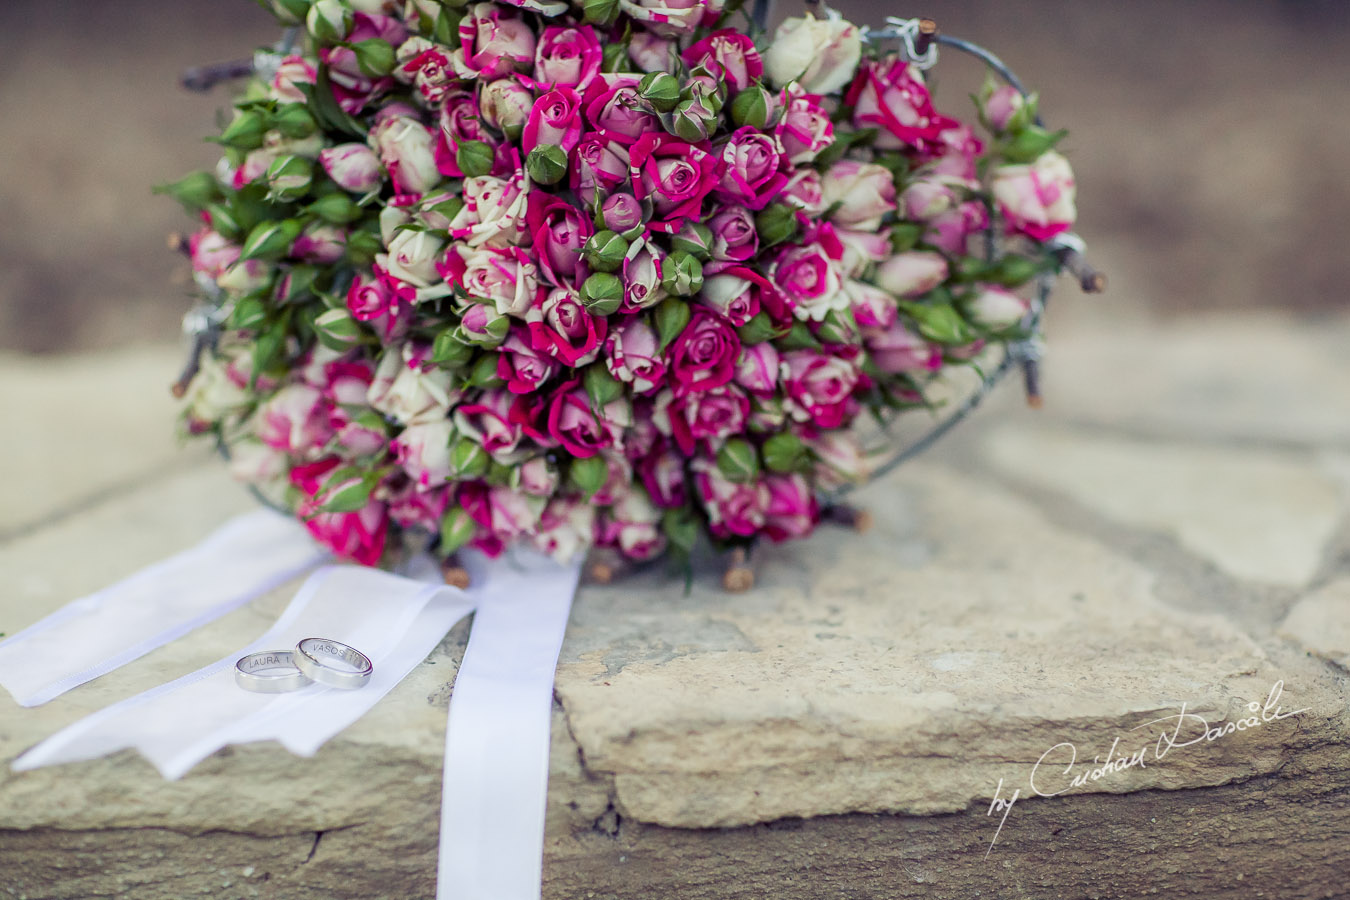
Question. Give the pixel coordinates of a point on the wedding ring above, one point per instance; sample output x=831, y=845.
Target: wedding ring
x=269, y=672
x=316, y=658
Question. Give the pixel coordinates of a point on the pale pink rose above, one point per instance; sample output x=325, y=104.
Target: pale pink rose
x=862, y=249
x=219, y=389
x=505, y=275
x=354, y=167
x=953, y=230
x=211, y=253
x=926, y=199
x=632, y=356
x=253, y=462
x=408, y=390
x=294, y=419
x=565, y=528
x=1037, y=199
x=810, y=281
x=413, y=256
x=505, y=103
x=1000, y=105
x=633, y=525
x=897, y=349
x=293, y=72
x=912, y=274
x=423, y=450
x=662, y=475
x=792, y=511
x=805, y=128
x=731, y=296
x=670, y=18
x=872, y=307
x=819, y=54
x=618, y=478
x=413, y=508
x=494, y=41
x=996, y=307
x=539, y=477
x=733, y=509
x=642, y=275
x=493, y=212
x=487, y=421
x=407, y=148
x=755, y=169
x=320, y=243
x=352, y=88
x=245, y=277
x=757, y=369
x=858, y=194
x=650, y=52
x=512, y=512
x=819, y=388
x=840, y=458
x=804, y=191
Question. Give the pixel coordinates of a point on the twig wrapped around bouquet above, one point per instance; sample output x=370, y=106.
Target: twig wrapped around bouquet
x=612, y=275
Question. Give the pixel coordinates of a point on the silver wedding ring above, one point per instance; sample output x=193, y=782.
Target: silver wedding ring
x=333, y=663
x=269, y=672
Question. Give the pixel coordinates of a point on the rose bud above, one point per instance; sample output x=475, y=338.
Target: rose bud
x=337, y=330
x=694, y=238
x=600, y=12
x=661, y=89
x=820, y=54
x=838, y=327
x=329, y=21
x=467, y=459
x=912, y=274
x=475, y=158
x=751, y=107
x=602, y=293
x=588, y=474
x=738, y=461
x=289, y=12
x=482, y=326
x=1003, y=108
x=693, y=120
x=354, y=167
x=336, y=208
x=547, y=164
x=605, y=251
x=622, y=213
x=729, y=55
x=505, y=105
x=245, y=131
x=757, y=369
x=784, y=452
x=858, y=194
x=733, y=509
x=682, y=274
x=194, y=191
x=996, y=308
x=539, y=477
x=775, y=223
x=457, y=529
x=245, y=277
x=271, y=239
x=633, y=356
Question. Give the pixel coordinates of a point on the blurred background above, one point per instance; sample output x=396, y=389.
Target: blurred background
x=1210, y=140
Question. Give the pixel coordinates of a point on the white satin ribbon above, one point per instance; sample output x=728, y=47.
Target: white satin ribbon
x=244, y=558
x=495, y=784
x=395, y=621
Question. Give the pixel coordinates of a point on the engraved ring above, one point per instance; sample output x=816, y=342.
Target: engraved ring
x=269, y=672
x=333, y=663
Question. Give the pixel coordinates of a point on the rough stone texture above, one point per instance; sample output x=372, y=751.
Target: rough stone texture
x=1037, y=582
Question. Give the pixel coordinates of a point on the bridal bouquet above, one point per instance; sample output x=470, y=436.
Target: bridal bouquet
x=594, y=273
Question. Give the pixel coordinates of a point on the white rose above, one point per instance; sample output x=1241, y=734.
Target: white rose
x=821, y=54
x=408, y=150
x=412, y=257
x=407, y=394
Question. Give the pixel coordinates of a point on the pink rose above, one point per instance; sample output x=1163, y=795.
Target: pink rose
x=704, y=355
x=538, y=477
x=493, y=212
x=354, y=167
x=427, y=67
x=755, y=169
x=293, y=72
x=954, y=155
x=733, y=293
x=613, y=107
x=494, y=41
x=461, y=120
x=996, y=308
x=952, y=230
x=633, y=357
x=320, y=243
x=805, y=192
x=357, y=536
x=211, y=253
x=505, y=104
x=912, y=274
x=757, y=369
x=674, y=176
x=567, y=57
x=412, y=508
x=810, y=280
x=733, y=509
x=487, y=421
x=352, y=88
x=671, y=18
x=858, y=194
x=897, y=349
x=729, y=55
x=872, y=307
x=622, y=212
x=840, y=458
x=805, y=128
x=369, y=298
x=555, y=120
x=642, y=275
x=294, y=419
x=820, y=388
x=999, y=105
x=407, y=149
x=618, y=478
x=254, y=463
x=662, y=475
x=562, y=328
x=890, y=95
x=504, y=275
x=711, y=415
x=504, y=512
x=423, y=451
x=253, y=167
x=1037, y=199
x=600, y=165
x=565, y=528
x=927, y=198
x=862, y=249
x=633, y=525
x=559, y=230
x=792, y=510
x=652, y=53
x=574, y=425
x=734, y=236
x=523, y=367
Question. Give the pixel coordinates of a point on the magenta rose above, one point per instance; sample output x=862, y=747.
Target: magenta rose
x=675, y=176
x=642, y=275
x=211, y=253
x=820, y=388
x=792, y=511
x=559, y=230
x=952, y=230
x=567, y=57
x=427, y=67
x=805, y=128
x=495, y=41
x=633, y=525
x=573, y=423
x=522, y=367
x=622, y=212
x=734, y=509
x=755, y=169
x=352, y=88
x=734, y=236
x=890, y=95
x=633, y=356
x=461, y=120
x=555, y=120
x=662, y=474
x=733, y=293
x=1037, y=199
x=712, y=416
x=598, y=165
x=615, y=110
x=294, y=419
x=730, y=55
x=358, y=536
x=412, y=508
x=897, y=349
x=423, y=451
x=757, y=369
x=488, y=422
x=810, y=280
x=872, y=307
x=562, y=328
x=705, y=353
